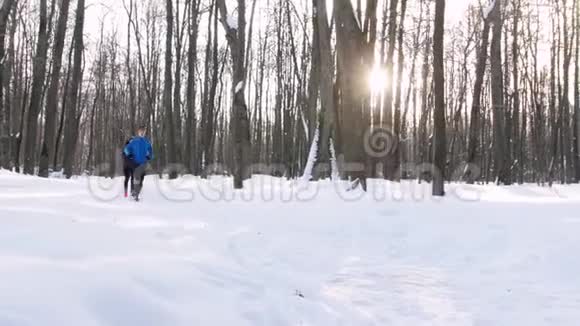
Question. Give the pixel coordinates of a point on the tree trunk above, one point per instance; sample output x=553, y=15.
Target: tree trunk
x=47, y=151
x=439, y=138
x=191, y=122
x=204, y=147
x=177, y=118
x=278, y=137
x=128, y=66
x=236, y=37
x=63, y=110
x=314, y=79
x=387, y=117
x=396, y=159
x=168, y=86
x=516, y=95
x=564, y=101
x=38, y=76
x=71, y=128
x=476, y=107
x=209, y=109
x=501, y=164
x=11, y=88
x=328, y=117
x=353, y=91
x=577, y=96
x=5, y=135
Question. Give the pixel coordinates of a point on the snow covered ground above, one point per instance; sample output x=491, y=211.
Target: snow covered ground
x=73, y=254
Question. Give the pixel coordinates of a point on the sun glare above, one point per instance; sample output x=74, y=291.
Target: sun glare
x=377, y=80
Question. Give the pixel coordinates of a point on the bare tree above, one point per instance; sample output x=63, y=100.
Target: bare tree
x=501, y=161
x=516, y=94
x=191, y=92
x=476, y=107
x=354, y=62
x=392, y=41
x=298, y=88
x=168, y=86
x=5, y=136
x=328, y=106
x=37, y=89
x=440, y=144
x=576, y=143
x=236, y=37
x=211, y=84
x=71, y=129
x=47, y=150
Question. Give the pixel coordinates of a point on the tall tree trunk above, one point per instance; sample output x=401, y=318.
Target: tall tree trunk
x=400, y=66
x=577, y=96
x=38, y=76
x=314, y=79
x=425, y=156
x=209, y=109
x=205, y=107
x=71, y=129
x=128, y=66
x=327, y=121
x=552, y=108
x=313, y=94
x=501, y=164
x=476, y=107
x=240, y=124
x=516, y=96
x=439, y=138
x=5, y=135
x=168, y=86
x=63, y=109
x=278, y=137
x=10, y=90
x=564, y=101
x=191, y=92
x=352, y=90
x=47, y=151
x=387, y=117
x=177, y=118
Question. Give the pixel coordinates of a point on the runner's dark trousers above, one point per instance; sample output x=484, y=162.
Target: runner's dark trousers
x=137, y=180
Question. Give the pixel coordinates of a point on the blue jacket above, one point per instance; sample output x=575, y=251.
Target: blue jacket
x=139, y=150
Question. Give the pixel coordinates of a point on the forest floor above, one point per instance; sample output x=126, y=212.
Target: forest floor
x=74, y=252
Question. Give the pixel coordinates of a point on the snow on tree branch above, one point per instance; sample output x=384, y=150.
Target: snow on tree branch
x=239, y=87
x=232, y=22
x=487, y=11
x=312, y=156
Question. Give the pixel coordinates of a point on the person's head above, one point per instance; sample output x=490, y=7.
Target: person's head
x=141, y=131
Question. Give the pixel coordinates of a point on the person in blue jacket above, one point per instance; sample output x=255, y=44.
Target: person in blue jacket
x=139, y=152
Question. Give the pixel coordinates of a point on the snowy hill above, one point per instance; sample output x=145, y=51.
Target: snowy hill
x=74, y=253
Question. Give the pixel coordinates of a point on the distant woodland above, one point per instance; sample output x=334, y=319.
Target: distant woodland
x=297, y=88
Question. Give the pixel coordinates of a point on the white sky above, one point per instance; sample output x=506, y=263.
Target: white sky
x=116, y=17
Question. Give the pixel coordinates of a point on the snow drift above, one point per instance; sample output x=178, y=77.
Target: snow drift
x=74, y=253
